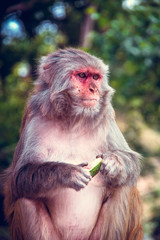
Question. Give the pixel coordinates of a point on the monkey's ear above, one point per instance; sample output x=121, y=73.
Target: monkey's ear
x=43, y=69
x=44, y=64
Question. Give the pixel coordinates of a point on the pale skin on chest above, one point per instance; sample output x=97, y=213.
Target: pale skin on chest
x=63, y=146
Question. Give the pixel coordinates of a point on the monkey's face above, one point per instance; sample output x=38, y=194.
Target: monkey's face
x=72, y=85
x=87, y=83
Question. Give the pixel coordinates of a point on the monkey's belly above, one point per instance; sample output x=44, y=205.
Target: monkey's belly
x=75, y=213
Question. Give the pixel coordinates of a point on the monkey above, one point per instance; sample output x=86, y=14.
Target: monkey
x=68, y=121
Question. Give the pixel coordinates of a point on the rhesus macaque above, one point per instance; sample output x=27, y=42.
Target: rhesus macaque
x=68, y=122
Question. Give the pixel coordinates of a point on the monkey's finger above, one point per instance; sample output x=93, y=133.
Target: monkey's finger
x=78, y=185
x=104, y=169
x=84, y=164
x=111, y=165
x=100, y=156
x=103, y=165
x=87, y=174
x=83, y=179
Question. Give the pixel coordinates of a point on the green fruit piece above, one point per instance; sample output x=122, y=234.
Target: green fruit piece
x=95, y=166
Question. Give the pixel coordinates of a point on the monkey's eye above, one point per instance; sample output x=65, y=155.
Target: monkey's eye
x=95, y=76
x=82, y=75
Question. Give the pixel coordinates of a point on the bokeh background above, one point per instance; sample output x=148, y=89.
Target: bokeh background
x=126, y=35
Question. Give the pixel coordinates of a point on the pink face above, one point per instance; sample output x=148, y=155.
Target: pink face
x=87, y=82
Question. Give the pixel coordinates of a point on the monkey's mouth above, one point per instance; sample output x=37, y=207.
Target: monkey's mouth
x=89, y=102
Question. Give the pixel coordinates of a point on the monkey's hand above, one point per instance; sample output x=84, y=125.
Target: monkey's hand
x=76, y=176
x=113, y=170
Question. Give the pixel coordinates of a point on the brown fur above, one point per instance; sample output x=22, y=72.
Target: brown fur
x=68, y=121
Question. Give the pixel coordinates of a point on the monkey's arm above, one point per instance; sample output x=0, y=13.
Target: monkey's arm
x=34, y=173
x=34, y=180
x=120, y=165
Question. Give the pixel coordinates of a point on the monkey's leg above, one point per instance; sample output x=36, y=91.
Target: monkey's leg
x=135, y=228
x=120, y=217
x=31, y=220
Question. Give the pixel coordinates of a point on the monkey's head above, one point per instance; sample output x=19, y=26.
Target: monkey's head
x=72, y=84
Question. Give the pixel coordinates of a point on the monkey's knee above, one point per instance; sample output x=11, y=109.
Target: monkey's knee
x=24, y=209
x=31, y=212
x=31, y=221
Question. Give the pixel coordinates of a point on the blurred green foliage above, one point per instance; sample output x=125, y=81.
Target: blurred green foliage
x=125, y=37
x=131, y=46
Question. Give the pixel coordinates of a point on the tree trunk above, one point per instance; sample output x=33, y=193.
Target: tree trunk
x=86, y=28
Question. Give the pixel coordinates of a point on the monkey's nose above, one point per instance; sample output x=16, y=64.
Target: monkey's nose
x=92, y=88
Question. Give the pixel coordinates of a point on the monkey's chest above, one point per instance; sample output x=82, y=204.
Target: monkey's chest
x=76, y=212
x=72, y=147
